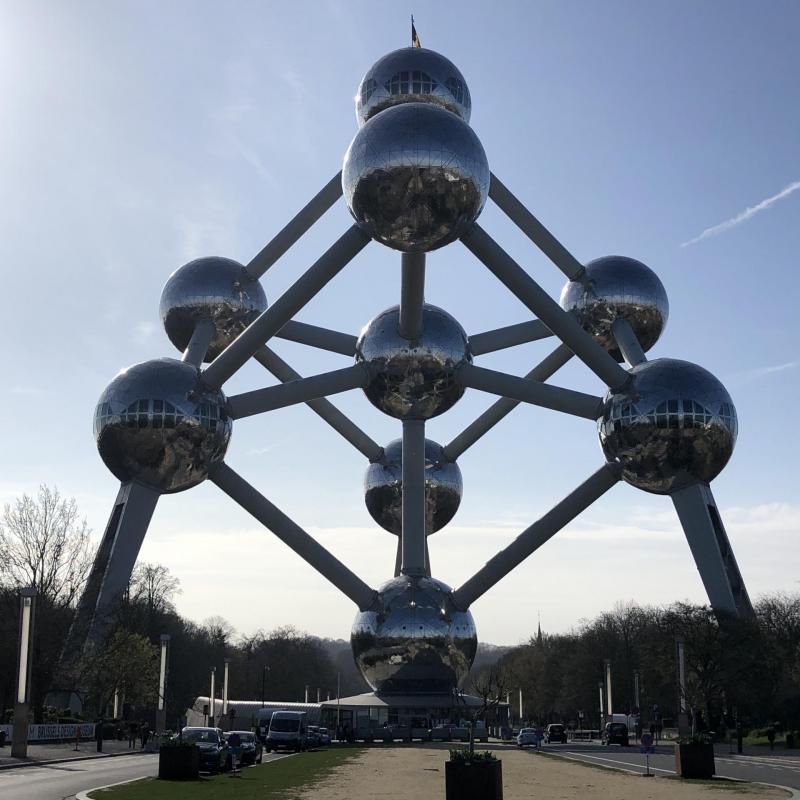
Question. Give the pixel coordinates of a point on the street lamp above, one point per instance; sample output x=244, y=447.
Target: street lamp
x=609, y=704
x=264, y=684
x=225, y=688
x=211, y=699
x=161, y=712
x=19, y=734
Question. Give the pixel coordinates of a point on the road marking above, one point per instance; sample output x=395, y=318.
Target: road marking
x=580, y=756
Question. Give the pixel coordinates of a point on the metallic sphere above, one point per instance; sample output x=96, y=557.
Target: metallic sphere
x=415, y=177
x=415, y=642
x=412, y=75
x=210, y=288
x=383, y=488
x=673, y=425
x=413, y=379
x=156, y=423
x=614, y=287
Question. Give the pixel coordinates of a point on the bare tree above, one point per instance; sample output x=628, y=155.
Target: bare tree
x=44, y=544
x=154, y=586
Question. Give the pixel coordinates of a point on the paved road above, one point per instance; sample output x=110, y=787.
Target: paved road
x=781, y=768
x=62, y=781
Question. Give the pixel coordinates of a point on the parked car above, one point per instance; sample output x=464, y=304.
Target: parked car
x=555, y=733
x=252, y=750
x=324, y=736
x=313, y=739
x=615, y=733
x=287, y=730
x=527, y=737
x=214, y=753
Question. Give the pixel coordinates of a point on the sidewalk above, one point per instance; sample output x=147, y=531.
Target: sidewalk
x=49, y=752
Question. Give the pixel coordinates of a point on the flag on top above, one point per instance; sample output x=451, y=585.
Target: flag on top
x=414, y=38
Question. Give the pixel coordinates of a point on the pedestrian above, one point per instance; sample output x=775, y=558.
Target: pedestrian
x=133, y=732
x=98, y=735
x=143, y=733
x=771, y=737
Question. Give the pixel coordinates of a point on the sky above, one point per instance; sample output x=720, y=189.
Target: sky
x=135, y=137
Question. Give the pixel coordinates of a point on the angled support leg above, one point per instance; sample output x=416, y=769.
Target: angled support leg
x=561, y=323
x=324, y=408
x=321, y=338
x=536, y=535
x=299, y=391
x=627, y=342
x=111, y=570
x=293, y=535
x=534, y=229
x=486, y=421
x=197, y=348
x=413, y=536
x=509, y=336
x=712, y=550
x=302, y=221
x=327, y=266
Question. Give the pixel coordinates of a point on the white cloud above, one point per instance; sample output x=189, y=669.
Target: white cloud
x=744, y=215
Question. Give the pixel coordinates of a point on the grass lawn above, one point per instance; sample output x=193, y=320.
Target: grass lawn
x=267, y=781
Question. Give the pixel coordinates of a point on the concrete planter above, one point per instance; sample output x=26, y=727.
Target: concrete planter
x=179, y=763
x=694, y=760
x=479, y=780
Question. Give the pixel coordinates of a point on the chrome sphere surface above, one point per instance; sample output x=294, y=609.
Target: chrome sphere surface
x=214, y=288
x=156, y=423
x=383, y=488
x=614, y=287
x=415, y=642
x=674, y=425
x=415, y=177
x=413, y=379
x=412, y=75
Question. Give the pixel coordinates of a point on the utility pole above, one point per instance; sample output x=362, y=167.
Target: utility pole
x=609, y=704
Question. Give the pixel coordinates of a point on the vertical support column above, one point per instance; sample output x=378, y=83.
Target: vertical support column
x=19, y=733
x=161, y=711
x=602, y=703
x=413, y=531
x=412, y=295
x=609, y=703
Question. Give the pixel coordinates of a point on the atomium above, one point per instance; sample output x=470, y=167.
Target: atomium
x=414, y=641
x=672, y=426
x=412, y=75
x=413, y=379
x=617, y=287
x=415, y=178
x=215, y=289
x=383, y=488
x=157, y=424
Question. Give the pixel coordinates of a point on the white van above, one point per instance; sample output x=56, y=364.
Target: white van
x=288, y=730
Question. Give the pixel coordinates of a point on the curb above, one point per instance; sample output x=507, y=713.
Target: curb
x=84, y=795
x=24, y=764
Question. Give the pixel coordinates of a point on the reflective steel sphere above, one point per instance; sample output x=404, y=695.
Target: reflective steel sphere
x=415, y=177
x=210, y=288
x=412, y=75
x=674, y=425
x=613, y=287
x=156, y=423
x=383, y=488
x=413, y=380
x=415, y=642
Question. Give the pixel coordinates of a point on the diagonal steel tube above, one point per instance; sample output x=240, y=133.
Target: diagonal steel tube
x=327, y=266
x=197, y=348
x=296, y=227
x=539, y=394
x=270, y=516
x=562, y=324
x=321, y=338
x=536, y=535
x=509, y=336
x=324, y=408
x=627, y=342
x=412, y=536
x=412, y=295
x=486, y=421
x=534, y=229
x=299, y=391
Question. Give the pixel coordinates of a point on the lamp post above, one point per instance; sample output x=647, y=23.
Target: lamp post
x=161, y=711
x=211, y=699
x=609, y=704
x=19, y=734
x=225, y=689
x=264, y=684
x=602, y=711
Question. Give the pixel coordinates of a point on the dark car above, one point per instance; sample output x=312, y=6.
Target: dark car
x=555, y=733
x=214, y=753
x=313, y=738
x=251, y=749
x=616, y=733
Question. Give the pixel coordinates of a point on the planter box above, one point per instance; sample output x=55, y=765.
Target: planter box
x=482, y=780
x=179, y=763
x=694, y=760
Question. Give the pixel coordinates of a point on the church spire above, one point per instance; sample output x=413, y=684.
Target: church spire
x=539, y=639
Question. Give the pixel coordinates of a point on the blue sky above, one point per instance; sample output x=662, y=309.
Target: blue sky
x=137, y=136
